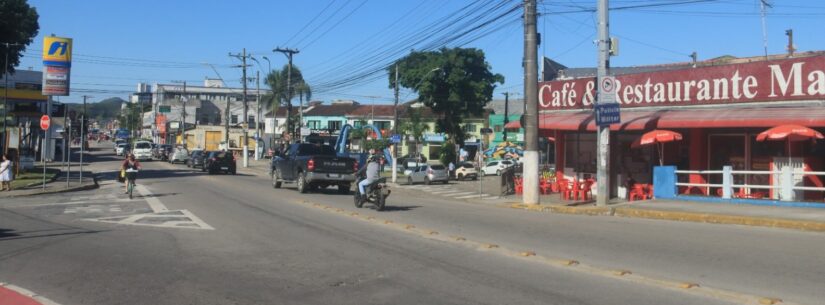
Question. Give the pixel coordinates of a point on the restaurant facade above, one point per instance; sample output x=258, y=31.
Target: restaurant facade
x=718, y=106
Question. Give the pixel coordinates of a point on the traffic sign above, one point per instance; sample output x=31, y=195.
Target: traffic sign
x=164, y=109
x=607, y=89
x=45, y=121
x=396, y=138
x=607, y=114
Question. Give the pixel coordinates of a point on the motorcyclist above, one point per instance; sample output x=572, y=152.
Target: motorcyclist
x=372, y=171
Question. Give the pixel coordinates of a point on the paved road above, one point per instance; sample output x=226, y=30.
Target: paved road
x=191, y=238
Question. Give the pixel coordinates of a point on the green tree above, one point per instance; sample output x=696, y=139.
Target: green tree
x=414, y=125
x=447, y=153
x=18, y=27
x=453, y=82
x=277, y=82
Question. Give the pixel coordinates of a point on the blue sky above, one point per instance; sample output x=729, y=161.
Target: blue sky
x=120, y=43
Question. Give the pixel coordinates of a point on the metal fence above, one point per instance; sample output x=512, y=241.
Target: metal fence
x=786, y=181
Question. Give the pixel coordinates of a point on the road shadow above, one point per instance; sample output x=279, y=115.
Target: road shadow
x=393, y=208
x=4, y=233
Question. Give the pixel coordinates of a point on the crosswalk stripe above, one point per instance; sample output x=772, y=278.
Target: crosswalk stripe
x=473, y=196
x=462, y=194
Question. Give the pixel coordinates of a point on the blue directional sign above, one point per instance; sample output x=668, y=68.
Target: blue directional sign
x=396, y=138
x=607, y=114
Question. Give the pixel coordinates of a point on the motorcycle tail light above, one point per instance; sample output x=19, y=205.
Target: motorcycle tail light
x=355, y=166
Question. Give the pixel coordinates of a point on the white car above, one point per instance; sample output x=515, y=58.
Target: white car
x=142, y=150
x=495, y=167
x=121, y=149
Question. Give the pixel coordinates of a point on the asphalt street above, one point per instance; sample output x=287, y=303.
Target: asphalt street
x=192, y=238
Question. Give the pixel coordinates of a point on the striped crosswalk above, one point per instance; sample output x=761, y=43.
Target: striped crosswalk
x=449, y=191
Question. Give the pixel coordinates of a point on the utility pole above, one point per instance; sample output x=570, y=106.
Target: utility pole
x=82, y=137
x=791, y=48
x=603, y=134
x=182, y=126
x=506, y=113
x=395, y=129
x=764, y=5
x=531, y=139
x=289, y=53
x=257, y=113
x=245, y=140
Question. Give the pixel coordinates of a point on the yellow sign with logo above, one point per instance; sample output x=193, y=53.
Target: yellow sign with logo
x=57, y=51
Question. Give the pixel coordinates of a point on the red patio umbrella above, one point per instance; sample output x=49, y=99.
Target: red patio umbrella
x=790, y=133
x=658, y=136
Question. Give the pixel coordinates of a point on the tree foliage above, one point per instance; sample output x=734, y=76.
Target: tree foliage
x=414, y=124
x=447, y=153
x=18, y=27
x=277, y=82
x=453, y=82
x=103, y=110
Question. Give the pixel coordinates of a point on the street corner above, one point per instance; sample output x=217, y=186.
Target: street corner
x=15, y=295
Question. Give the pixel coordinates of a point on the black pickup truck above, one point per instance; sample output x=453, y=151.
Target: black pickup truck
x=313, y=166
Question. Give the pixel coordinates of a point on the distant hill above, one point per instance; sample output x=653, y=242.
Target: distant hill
x=103, y=110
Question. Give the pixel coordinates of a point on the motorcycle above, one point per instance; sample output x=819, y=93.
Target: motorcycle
x=377, y=193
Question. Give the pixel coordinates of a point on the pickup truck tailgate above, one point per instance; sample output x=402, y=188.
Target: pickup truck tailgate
x=329, y=164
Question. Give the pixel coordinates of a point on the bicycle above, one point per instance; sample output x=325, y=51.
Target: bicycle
x=131, y=174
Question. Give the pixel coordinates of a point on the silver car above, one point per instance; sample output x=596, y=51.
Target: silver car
x=179, y=154
x=428, y=174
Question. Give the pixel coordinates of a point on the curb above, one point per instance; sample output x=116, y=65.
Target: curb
x=801, y=225
x=631, y=212
x=85, y=187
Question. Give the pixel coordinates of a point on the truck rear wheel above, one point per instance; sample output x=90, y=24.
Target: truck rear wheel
x=302, y=183
x=275, y=182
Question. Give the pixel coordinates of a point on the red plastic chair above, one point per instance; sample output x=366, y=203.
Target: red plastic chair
x=519, y=185
x=564, y=189
x=584, y=192
x=545, y=186
x=638, y=192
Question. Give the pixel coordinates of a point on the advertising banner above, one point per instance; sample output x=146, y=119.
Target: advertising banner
x=762, y=81
x=57, y=63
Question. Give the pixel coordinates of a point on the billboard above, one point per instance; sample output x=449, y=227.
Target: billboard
x=57, y=63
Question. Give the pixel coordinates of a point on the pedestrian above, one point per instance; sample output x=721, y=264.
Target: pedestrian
x=5, y=173
x=451, y=167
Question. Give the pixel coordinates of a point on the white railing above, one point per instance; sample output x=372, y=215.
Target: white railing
x=784, y=183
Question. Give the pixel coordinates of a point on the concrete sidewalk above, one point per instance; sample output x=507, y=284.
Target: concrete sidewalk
x=805, y=219
x=58, y=185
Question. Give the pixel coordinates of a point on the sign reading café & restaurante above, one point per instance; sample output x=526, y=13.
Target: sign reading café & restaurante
x=764, y=81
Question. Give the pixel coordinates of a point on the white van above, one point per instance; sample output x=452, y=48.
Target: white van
x=142, y=150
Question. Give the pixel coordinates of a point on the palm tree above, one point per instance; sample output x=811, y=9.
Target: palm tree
x=414, y=125
x=277, y=81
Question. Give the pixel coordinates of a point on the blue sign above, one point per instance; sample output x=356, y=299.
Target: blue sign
x=607, y=114
x=395, y=139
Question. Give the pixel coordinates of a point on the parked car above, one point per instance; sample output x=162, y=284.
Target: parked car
x=429, y=174
x=195, y=158
x=219, y=161
x=179, y=154
x=122, y=149
x=158, y=151
x=312, y=166
x=142, y=150
x=466, y=170
x=495, y=167
x=117, y=143
x=412, y=160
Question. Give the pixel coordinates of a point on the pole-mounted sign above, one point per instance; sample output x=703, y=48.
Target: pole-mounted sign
x=57, y=64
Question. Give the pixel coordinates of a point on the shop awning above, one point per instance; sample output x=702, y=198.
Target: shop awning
x=687, y=118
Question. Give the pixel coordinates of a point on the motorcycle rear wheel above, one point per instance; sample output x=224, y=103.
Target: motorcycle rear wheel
x=379, y=201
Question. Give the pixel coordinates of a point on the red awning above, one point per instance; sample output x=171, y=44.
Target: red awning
x=687, y=118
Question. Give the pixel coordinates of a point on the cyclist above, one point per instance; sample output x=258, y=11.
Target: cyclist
x=130, y=163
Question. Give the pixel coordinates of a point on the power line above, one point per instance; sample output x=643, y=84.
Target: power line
x=308, y=23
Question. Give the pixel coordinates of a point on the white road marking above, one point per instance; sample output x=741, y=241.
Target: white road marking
x=153, y=202
x=473, y=196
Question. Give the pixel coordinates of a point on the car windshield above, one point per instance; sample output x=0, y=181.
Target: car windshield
x=437, y=167
x=143, y=145
x=122, y=145
x=467, y=165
